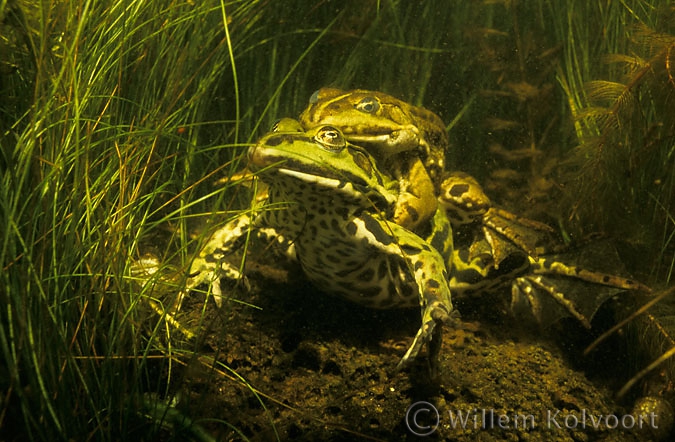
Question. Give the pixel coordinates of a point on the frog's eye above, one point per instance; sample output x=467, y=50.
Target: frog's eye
x=369, y=105
x=330, y=138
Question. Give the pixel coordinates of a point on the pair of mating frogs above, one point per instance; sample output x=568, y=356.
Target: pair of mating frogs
x=358, y=186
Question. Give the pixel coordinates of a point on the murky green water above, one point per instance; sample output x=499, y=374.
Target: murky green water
x=122, y=125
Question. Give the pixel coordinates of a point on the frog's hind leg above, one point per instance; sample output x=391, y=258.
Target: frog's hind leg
x=539, y=280
x=543, y=266
x=530, y=236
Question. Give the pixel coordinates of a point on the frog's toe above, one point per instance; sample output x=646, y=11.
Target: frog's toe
x=217, y=292
x=430, y=332
x=423, y=335
x=213, y=277
x=243, y=283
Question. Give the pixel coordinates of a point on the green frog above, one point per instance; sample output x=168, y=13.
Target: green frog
x=330, y=198
x=408, y=142
x=492, y=245
x=339, y=214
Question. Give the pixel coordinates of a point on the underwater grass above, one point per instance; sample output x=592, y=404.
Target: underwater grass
x=621, y=178
x=133, y=111
x=112, y=130
x=107, y=146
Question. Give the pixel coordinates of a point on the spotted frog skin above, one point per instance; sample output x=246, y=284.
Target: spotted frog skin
x=491, y=246
x=472, y=213
x=340, y=216
x=409, y=142
x=337, y=207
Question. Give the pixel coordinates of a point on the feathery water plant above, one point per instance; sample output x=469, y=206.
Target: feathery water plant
x=620, y=96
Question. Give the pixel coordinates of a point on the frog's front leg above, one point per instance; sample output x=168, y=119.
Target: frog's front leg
x=435, y=301
x=428, y=265
x=210, y=265
x=416, y=202
x=437, y=310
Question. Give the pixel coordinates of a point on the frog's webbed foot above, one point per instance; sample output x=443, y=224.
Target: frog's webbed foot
x=505, y=231
x=549, y=282
x=434, y=317
x=210, y=266
x=527, y=287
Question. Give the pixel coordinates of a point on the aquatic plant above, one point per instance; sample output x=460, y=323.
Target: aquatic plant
x=620, y=178
x=102, y=143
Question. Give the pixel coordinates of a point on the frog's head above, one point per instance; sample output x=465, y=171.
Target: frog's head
x=365, y=117
x=320, y=160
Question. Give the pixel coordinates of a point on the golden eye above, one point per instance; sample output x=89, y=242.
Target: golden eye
x=330, y=138
x=369, y=105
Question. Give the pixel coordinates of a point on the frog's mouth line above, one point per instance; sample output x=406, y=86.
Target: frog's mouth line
x=325, y=177
x=340, y=181
x=338, y=186
x=324, y=180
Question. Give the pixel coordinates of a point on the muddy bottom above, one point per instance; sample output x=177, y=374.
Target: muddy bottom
x=305, y=366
